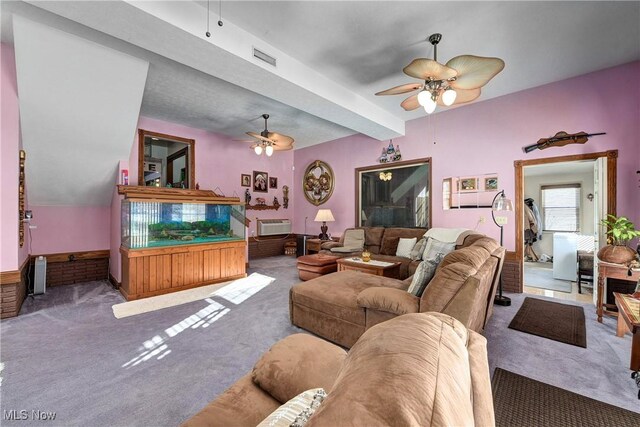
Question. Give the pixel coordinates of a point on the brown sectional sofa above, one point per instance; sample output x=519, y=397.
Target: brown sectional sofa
x=382, y=243
x=428, y=370
x=341, y=306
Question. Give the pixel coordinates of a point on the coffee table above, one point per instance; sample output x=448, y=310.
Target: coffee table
x=379, y=268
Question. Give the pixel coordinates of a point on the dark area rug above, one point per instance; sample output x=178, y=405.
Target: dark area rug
x=522, y=401
x=553, y=320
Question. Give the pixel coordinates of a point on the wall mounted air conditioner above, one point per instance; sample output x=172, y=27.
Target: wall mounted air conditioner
x=272, y=227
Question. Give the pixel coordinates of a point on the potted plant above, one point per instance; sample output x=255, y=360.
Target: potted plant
x=620, y=231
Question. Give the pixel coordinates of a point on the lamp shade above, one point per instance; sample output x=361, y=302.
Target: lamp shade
x=269, y=150
x=258, y=149
x=502, y=203
x=324, y=215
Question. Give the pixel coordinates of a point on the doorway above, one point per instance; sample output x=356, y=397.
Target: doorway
x=570, y=194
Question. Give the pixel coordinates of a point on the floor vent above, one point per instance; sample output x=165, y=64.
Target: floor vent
x=264, y=57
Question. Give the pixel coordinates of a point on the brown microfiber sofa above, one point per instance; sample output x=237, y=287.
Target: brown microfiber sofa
x=341, y=306
x=416, y=370
x=382, y=243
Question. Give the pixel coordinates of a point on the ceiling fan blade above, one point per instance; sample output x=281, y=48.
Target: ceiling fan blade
x=411, y=103
x=463, y=96
x=409, y=87
x=423, y=69
x=278, y=138
x=279, y=147
x=474, y=71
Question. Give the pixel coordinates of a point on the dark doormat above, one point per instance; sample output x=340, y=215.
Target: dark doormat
x=521, y=401
x=553, y=320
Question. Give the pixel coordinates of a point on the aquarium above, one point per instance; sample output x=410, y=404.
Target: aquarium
x=147, y=224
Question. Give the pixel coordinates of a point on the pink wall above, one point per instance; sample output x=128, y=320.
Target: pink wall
x=11, y=255
x=488, y=136
x=70, y=229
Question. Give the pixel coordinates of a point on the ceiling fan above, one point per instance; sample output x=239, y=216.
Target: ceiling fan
x=457, y=82
x=270, y=141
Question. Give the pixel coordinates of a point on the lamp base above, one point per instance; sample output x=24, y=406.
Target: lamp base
x=323, y=232
x=502, y=300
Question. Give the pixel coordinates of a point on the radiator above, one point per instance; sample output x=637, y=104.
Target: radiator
x=272, y=227
x=40, y=276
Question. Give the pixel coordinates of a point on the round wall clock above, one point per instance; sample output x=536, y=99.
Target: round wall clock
x=318, y=182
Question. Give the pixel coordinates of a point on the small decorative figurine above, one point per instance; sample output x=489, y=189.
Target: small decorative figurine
x=247, y=197
x=276, y=203
x=261, y=201
x=197, y=185
x=285, y=197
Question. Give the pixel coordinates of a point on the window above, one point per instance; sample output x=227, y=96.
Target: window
x=394, y=195
x=561, y=207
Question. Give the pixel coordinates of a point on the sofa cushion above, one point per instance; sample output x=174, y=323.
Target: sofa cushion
x=416, y=252
x=353, y=241
x=405, y=246
x=439, y=393
x=436, y=249
x=373, y=236
x=297, y=363
x=392, y=235
x=423, y=275
x=297, y=410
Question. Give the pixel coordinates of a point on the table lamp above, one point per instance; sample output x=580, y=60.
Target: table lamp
x=323, y=216
x=500, y=203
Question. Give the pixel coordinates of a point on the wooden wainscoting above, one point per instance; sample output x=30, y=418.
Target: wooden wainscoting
x=13, y=290
x=150, y=272
x=512, y=273
x=68, y=268
x=266, y=246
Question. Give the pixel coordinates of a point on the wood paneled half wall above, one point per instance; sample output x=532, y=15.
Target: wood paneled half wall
x=13, y=290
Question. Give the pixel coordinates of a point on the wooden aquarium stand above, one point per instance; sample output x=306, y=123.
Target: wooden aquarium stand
x=154, y=271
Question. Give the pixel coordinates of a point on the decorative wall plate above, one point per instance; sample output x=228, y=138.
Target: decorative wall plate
x=318, y=182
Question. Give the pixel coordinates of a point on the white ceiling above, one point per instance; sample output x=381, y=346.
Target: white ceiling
x=78, y=115
x=359, y=46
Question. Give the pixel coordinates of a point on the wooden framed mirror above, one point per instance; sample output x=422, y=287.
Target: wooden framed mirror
x=166, y=160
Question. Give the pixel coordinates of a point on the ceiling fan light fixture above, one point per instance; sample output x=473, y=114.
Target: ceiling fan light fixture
x=430, y=105
x=449, y=97
x=423, y=97
x=258, y=149
x=269, y=150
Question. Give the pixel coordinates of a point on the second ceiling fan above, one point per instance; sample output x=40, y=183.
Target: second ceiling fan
x=457, y=82
x=270, y=141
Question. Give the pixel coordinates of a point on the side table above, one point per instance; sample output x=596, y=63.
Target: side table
x=615, y=271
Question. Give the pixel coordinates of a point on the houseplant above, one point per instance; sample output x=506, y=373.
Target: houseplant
x=620, y=231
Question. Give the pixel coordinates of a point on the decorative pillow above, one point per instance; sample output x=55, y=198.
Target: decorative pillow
x=435, y=247
x=297, y=411
x=405, y=246
x=423, y=275
x=416, y=252
x=354, y=239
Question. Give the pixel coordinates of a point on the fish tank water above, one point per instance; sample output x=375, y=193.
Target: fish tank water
x=147, y=224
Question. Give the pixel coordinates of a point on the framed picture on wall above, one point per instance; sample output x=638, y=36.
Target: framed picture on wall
x=491, y=183
x=260, y=182
x=273, y=182
x=468, y=184
x=245, y=180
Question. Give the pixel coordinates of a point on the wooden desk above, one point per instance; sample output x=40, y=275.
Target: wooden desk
x=629, y=321
x=608, y=270
x=379, y=268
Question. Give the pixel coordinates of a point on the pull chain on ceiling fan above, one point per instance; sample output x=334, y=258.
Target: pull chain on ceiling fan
x=457, y=82
x=270, y=141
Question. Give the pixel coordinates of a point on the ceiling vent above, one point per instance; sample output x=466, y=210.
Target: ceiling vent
x=264, y=57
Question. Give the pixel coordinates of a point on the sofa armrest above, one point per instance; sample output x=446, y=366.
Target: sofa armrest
x=483, y=411
x=297, y=363
x=330, y=244
x=390, y=300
